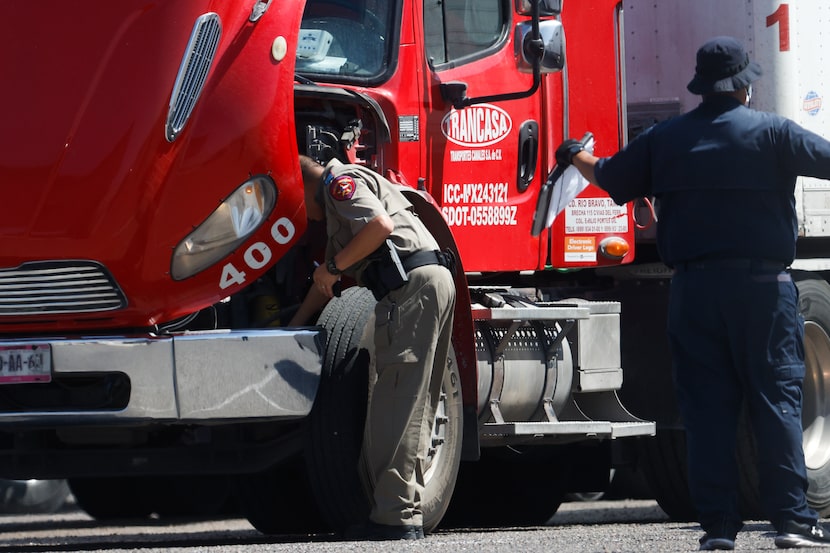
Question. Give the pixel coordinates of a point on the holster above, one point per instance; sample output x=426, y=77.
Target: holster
x=385, y=271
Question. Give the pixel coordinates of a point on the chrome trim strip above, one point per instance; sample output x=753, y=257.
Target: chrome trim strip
x=46, y=287
x=198, y=57
x=222, y=375
x=259, y=10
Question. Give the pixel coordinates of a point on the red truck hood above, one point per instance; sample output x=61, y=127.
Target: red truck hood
x=84, y=89
x=86, y=171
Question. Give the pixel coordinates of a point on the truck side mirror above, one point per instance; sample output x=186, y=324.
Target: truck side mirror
x=552, y=45
x=546, y=7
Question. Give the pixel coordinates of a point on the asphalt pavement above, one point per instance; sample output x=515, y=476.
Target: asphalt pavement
x=579, y=527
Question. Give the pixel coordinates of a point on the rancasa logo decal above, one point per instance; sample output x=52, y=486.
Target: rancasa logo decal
x=478, y=125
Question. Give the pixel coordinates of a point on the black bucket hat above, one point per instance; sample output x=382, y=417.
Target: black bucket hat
x=723, y=66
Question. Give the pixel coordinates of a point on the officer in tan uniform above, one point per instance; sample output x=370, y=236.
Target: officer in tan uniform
x=375, y=237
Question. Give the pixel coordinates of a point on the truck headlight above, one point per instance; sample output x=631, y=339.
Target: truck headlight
x=229, y=225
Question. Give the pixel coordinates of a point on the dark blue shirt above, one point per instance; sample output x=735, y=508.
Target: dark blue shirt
x=724, y=178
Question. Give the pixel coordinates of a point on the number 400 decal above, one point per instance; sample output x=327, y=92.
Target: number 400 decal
x=258, y=254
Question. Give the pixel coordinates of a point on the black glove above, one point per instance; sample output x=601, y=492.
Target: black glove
x=566, y=152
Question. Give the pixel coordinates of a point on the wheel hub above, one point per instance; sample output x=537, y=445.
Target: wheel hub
x=816, y=406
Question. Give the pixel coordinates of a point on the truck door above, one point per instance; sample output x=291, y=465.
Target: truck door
x=482, y=160
x=486, y=162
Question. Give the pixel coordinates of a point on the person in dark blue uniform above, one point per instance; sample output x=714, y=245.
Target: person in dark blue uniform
x=724, y=177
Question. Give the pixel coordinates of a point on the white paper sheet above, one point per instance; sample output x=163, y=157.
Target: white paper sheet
x=568, y=187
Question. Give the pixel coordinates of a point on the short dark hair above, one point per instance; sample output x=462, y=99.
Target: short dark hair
x=309, y=167
x=311, y=171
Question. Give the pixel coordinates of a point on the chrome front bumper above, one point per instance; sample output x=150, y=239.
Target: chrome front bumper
x=191, y=377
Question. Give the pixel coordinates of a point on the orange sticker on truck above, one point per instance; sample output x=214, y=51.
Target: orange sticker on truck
x=581, y=249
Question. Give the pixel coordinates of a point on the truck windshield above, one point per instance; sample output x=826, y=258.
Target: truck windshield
x=345, y=40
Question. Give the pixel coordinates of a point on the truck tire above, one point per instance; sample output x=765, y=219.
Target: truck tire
x=663, y=461
x=32, y=496
x=444, y=457
x=279, y=500
x=664, y=464
x=333, y=450
x=174, y=496
x=814, y=304
x=185, y=496
x=112, y=498
x=749, y=495
x=667, y=462
x=508, y=486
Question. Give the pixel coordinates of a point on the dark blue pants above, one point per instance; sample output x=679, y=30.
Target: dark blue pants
x=736, y=335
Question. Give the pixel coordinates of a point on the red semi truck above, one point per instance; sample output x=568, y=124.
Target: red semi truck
x=154, y=244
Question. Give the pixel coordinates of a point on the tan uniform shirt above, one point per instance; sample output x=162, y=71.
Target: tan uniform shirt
x=354, y=195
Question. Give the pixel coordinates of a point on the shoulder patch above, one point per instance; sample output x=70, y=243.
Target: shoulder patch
x=342, y=188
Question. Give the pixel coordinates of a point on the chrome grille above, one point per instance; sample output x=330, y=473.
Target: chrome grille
x=198, y=57
x=58, y=287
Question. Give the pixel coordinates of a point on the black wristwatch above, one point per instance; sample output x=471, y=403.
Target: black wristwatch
x=332, y=268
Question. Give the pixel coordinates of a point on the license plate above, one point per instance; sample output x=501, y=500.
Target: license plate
x=25, y=363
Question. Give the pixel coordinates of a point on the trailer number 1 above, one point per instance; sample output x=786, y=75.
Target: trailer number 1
x=781, y=16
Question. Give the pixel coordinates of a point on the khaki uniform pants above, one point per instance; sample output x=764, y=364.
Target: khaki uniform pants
x=413, y=329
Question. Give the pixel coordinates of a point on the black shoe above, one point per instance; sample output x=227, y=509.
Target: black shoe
x=715, y=543
x=795, y=534
x=372, y=531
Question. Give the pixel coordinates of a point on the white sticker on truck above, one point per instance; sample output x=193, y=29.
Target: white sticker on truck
x=595, y=215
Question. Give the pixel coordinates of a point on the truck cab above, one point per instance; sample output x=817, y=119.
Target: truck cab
x=160, y=246
x=485, y=161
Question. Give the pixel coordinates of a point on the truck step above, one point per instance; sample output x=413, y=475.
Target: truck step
x=531, y=313
x=499, y=305
x=588, y=429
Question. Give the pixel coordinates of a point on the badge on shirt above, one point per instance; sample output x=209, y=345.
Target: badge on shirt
x=342, y=188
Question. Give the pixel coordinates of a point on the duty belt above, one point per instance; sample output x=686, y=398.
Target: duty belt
x=389, y=272
x=444, y=258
